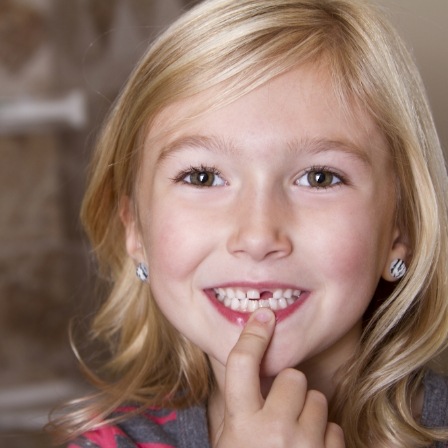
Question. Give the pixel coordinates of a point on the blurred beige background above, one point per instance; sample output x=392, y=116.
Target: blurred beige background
x=62, y=62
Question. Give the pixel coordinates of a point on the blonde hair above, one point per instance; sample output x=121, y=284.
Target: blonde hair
x=237, y=46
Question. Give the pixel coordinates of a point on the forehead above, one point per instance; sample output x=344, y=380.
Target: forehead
x=298, y=105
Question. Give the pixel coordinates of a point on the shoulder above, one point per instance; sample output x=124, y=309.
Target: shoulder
x=435, y=400
x=435, y=403
x=152, y=428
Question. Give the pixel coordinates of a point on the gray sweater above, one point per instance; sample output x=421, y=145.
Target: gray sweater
x=435, y=404
x=187, y=428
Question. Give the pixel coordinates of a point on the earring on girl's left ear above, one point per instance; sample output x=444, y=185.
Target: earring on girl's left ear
x=142, y=272
x=397, y=268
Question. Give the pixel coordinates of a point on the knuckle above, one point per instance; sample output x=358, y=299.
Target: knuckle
x=239, y=359
x=295, y=377
x=254, y=335
x=241, y=356
x=318, y=399
x=244, y=348
x=335, y=435
x=280, y=434
x=279, y=427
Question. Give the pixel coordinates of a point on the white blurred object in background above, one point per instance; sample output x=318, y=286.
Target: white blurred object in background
x=31, y=115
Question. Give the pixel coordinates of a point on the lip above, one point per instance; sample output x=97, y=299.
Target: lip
x=240, y=318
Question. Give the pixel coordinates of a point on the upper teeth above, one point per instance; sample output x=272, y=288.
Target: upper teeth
x=249, y=300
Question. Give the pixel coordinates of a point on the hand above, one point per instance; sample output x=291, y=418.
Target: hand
x=290, y=416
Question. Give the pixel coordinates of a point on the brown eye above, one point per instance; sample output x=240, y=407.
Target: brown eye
x=319, y=178
x=202, y=178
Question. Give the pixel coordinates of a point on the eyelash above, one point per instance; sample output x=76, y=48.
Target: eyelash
x=180, y=178
x=324, y=169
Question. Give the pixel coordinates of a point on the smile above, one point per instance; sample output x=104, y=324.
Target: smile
x=249, y=300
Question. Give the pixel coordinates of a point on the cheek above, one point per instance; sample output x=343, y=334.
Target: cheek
x=357, y=247
x=174, y=241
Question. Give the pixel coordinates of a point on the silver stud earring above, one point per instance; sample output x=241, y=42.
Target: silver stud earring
x=397, y=268
x=142, y=272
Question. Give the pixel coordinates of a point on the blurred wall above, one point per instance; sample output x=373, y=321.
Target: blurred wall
x=423, y=25
x=61, y=65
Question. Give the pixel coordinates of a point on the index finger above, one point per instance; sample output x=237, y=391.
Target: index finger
x=242, y=390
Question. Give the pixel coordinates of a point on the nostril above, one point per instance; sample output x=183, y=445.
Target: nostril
x=260, y=245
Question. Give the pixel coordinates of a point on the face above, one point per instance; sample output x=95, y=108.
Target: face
x=278, y=199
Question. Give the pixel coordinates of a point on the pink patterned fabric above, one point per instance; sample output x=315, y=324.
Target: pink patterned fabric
x=154, y=428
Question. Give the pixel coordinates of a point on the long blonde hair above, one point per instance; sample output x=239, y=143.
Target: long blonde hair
x=237, y=46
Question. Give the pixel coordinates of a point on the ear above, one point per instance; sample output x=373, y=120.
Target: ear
x=400, y=250
x=134, y=246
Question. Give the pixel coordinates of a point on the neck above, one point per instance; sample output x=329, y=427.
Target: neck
x=215, y=415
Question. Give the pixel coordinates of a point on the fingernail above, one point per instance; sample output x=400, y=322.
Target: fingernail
x=263, y=315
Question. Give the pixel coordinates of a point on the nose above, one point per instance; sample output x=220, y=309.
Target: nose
x=260, y=227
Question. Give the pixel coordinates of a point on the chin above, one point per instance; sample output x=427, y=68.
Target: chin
x=271, y=366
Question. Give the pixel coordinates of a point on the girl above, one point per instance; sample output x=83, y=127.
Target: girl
x=272, y=174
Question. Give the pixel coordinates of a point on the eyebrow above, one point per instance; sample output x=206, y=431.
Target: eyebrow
x=322, y=145
x=306, y=145
x=211, y=143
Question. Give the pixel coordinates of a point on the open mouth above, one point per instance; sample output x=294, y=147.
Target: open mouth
x=249, y=300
